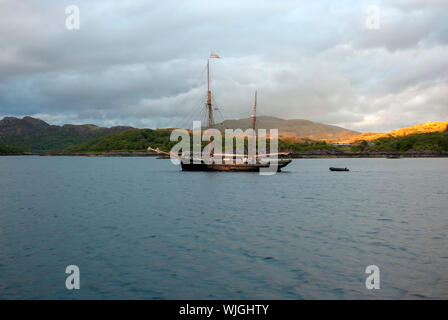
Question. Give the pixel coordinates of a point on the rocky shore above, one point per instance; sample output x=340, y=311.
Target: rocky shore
x=99, y=154
x=311, y=154
x=369, y=154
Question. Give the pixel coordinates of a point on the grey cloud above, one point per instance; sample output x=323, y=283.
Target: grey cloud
x=142, y=63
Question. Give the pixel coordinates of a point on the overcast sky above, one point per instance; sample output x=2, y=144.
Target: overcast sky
x=142, y=63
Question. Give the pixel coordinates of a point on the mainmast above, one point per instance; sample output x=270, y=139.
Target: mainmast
x=255, y=112
x=209, y=96
x=209, y=93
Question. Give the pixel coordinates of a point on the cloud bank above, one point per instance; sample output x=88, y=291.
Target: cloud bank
x=142, y=63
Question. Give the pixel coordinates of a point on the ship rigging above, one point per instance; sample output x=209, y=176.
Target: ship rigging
x=232, y=162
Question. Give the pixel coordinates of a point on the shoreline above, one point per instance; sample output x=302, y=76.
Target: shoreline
x=390, y=155
x=99, y=154
x=295, y=155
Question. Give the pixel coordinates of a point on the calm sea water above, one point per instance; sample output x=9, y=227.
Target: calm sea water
x=141, y=228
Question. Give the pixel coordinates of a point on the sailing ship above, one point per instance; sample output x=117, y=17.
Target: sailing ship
x=230, y=162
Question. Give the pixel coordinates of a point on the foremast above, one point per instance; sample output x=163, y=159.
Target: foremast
x=209, y=97
x=255, y=112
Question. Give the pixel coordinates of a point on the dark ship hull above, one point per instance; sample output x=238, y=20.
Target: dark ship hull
x=245, y=167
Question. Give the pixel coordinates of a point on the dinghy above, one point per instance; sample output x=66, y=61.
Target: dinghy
x=339, y=169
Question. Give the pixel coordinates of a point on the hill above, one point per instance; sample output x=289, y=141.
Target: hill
x=434, y=141
x=140, y=139
x=22, y=136
x=35, y=135
x=127, y=141
x=431, y=126
x=8, y=149
x=295, y=130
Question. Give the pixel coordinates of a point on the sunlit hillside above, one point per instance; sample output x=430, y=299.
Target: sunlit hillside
x=431, y=126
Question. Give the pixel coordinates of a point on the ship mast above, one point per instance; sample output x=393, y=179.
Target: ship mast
x=209, y=93
x=209, y=96
x=255, y=111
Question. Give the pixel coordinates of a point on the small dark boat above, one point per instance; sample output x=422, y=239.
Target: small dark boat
x=393, y=156
x=339, y=169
